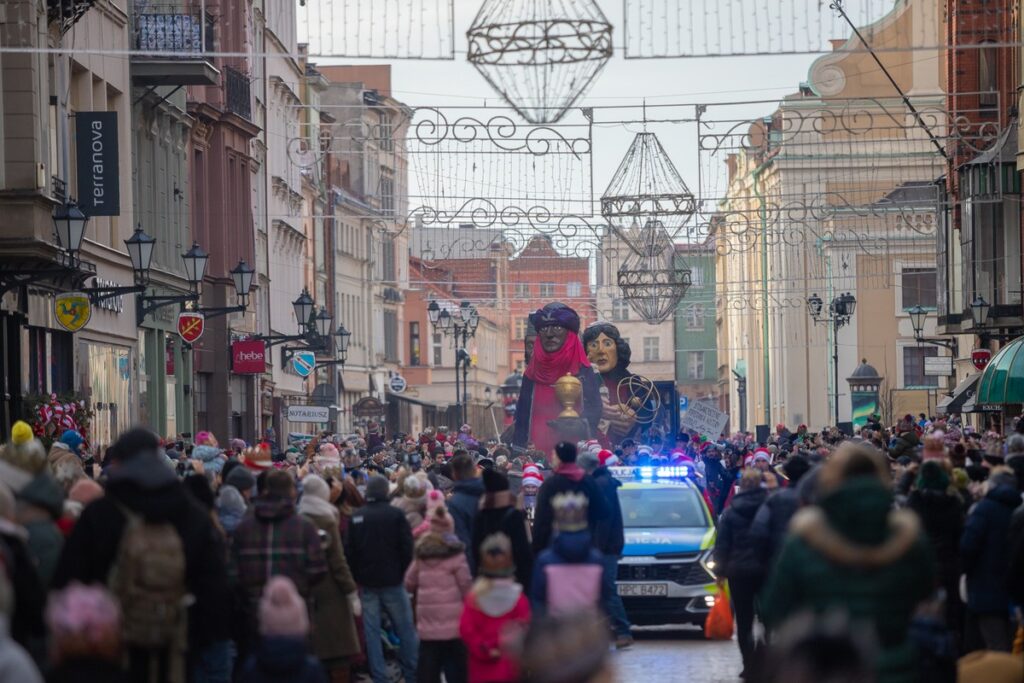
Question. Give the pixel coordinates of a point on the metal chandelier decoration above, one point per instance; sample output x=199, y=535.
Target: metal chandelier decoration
x=541, y=55
x=654, y=280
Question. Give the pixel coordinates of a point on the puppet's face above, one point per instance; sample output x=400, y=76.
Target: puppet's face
x=552, y=337
x=603, y=353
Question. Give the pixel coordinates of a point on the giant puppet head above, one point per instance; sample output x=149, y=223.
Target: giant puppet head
x=606, y=349
x=553, y=323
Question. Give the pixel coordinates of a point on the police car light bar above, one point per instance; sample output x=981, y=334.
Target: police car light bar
x=650, y=472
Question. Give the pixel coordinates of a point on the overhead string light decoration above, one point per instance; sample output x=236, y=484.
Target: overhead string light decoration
x=647, y=188
x=540, y=55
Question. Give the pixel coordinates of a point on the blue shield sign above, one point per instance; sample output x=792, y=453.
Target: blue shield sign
x=303, y=363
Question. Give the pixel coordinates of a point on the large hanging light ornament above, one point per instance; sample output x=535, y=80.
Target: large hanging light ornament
x=654, y=280
x=541, y=55
x=646, y=187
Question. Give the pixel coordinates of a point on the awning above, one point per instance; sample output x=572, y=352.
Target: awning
x=1002, y=382
x=954, y=403
x=439, y=405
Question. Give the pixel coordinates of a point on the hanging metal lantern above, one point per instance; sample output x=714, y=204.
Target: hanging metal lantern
x=647, y=188
x=540, y=56
x=655, y=280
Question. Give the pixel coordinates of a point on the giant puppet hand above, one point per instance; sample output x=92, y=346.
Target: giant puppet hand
x=617, y=418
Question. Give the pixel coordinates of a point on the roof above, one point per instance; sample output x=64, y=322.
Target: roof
x=464, y=241
x=865, y=371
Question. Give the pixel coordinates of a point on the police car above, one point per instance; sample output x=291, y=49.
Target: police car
x=666, y=574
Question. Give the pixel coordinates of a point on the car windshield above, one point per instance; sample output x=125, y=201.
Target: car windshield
x=659, y=508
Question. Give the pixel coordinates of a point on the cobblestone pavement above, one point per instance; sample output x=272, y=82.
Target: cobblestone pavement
x=680, y=655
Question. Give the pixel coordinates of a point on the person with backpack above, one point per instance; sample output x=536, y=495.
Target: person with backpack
x=274, y=541
x=157, y=550
x=569, y=576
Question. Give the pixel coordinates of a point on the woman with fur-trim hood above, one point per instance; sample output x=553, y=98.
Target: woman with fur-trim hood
x=851, y=552
x=439, y=578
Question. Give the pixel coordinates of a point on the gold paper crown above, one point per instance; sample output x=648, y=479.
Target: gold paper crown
x=570, y=510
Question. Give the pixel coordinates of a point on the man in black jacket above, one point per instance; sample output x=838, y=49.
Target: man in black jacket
x=568, y=477
x=379, y=549
x=610, y=538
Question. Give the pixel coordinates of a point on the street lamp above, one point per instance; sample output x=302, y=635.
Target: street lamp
x=433, y=312
x=324, y=322
x=69, y=223
x=140, y=251
x=979, y=311
x=918, y=314
x=462, y=324
x=344, y=336
x=840, y=311
x=303, y=308
x=242, y=275
x=195, y=260
x=444, y=321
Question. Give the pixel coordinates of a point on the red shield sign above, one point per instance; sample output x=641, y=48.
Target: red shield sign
x=980, y=358
x=191, y=326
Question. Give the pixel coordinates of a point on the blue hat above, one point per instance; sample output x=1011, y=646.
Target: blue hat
x=72, y=439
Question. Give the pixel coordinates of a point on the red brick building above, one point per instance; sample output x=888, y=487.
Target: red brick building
x=539, y=275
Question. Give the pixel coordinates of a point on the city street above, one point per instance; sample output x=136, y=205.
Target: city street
x=678, y=655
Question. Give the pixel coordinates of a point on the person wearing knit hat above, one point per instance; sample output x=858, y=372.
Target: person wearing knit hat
x=412, y=500
x=569, y=575
x=528, y=489
x=495, y=607
x=499, y=513
x=439, y=578
x=257, y=458
x=283, y=654
x=21, y=457
x=205, y=439
x=237, y=445
x=212, y=458
x=73, y=440
x=84, y=624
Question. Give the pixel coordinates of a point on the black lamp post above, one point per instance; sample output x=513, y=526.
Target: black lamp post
x=69, y=225
x=462, y=325
x=840, y=311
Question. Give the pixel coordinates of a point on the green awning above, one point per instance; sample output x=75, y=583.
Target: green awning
x=1003, y=380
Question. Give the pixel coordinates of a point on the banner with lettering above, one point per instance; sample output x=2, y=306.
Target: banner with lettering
x=99, y=190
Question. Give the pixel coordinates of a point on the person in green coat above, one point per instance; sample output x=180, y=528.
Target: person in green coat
x=853, y=553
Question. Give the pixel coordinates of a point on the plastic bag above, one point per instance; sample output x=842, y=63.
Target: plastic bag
x=719, y=625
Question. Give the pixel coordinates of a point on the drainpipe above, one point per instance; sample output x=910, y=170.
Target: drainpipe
x=763, y=212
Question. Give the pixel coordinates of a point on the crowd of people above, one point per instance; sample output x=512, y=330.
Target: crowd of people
x=889, y=555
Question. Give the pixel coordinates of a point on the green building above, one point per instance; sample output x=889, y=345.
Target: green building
x=696, y=354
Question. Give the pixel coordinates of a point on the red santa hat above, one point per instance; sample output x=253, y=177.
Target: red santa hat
x=532, y=476
x=762, y=454
x=607, y=458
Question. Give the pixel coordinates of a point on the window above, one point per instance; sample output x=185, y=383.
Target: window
x=918, y=286
x=651, y=349
x=913, y=366
x=573, y=289
x=695, y=365
x=522, y=289
x=414, y=343
x=384, y=131
x=696, y=276
x=390, y=336
x=620, y=310
x=547, y=289
x=435, y=349
x=694, y=316
x=521, y=325
x=988, y=76
x=387, y=194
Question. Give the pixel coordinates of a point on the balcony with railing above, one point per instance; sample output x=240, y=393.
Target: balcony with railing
x=238, y=92
x=171, y=44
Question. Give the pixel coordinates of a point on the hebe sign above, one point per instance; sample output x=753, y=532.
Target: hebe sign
x=99, y=182
x=248, y=357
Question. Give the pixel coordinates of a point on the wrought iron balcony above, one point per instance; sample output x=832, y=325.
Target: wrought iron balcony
x=238, y=92
x=171, y=43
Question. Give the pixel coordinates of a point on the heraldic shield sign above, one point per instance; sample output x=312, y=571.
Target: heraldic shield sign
x=72, y=310
x=191, y=326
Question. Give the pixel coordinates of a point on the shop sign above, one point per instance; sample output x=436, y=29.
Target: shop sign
x=114, y=304
x=99, y=192
x=368, y=407
x=980, y=358
x=938, y=366
x=314, y=414
x=303, y=363
x=248, y=357
x=397, y=384
x=72, y=310
x=191, y=326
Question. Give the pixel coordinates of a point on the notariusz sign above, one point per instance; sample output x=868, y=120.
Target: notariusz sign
x=99, y=191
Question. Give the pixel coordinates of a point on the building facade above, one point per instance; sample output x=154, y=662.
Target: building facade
x=697, y=372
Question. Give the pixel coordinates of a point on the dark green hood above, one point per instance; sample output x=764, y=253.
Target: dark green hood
x=45, y=492
x=859, y=510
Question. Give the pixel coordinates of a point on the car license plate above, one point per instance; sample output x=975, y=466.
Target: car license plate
x=636, y=590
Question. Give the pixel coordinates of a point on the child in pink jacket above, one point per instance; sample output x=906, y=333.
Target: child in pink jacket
x=495, y=615
x=439, y=578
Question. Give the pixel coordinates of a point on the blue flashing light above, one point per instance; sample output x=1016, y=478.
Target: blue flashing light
x=651, y=473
